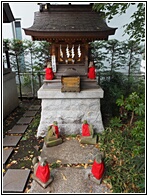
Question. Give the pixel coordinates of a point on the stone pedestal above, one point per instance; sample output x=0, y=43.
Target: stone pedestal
x=69, y=109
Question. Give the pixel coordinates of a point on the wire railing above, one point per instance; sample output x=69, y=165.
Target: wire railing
x=31, y=82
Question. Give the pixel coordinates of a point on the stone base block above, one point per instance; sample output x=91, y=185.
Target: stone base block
x=70, y=110
x=88, y=140
x=53, y=142
x=44, y=185
x=98, y=181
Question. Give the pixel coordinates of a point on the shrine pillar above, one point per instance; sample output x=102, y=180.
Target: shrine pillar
x=86, y=57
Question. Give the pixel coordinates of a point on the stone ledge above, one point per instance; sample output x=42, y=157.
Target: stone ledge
x=44, y=93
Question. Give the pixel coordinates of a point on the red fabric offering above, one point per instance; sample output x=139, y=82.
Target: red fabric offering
x=98, y=170
x=56, y=130
x=85, y=130
x=91, y=73
x=49, y=74
x=43, y=173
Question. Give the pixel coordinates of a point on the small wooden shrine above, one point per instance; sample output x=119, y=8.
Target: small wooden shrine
x=70, y=29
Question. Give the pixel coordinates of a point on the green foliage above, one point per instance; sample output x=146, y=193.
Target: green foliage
x=133, y=104
x=124, y=147
x=134, y=53
x=114, y=89
x=136, y=28
x=112, y=55
x=35, y=122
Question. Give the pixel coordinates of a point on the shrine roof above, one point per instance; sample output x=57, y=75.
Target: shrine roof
x=59, y=21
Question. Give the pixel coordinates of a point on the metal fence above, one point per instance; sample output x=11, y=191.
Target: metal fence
x=31, y=82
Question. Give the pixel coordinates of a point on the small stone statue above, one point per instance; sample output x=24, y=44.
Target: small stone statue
x=91, y=71
x=41, y=171
x=88, y=136
x=52, y=137
x=98, y=169
x=49, y=75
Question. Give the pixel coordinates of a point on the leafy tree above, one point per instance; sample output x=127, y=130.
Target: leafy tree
x=16, y=50
x=115, y=55
x=134, y=53
x=34, y=53
x=99, y=55
x=136, y=28
x=42, y=52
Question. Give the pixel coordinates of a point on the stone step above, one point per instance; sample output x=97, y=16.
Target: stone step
x=58, y=80
x=18, y=129
x=30, y=113
x=70, y=151
x=25, y=120
x=70, y=180
x=15, y=180
x=35, y=107
x=6, y=154
x=11, y=140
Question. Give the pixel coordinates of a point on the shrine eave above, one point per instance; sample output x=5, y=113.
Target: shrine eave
x=69, y=22
x=73, y=36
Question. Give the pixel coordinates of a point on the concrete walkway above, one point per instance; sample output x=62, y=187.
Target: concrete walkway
x=75, y=166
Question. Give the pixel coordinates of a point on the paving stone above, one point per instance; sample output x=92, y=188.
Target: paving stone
x=35, y=107
x=6, y=154
x=15, y=180
x=30, y=113
x=25, y=120
x=18, y=129
x=70, y=180
x=11, y=140
x=70, y=151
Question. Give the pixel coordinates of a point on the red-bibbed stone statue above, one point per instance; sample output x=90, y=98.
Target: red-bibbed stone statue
x=98, y=169
x=88, y=136
x=49, y=75
x=91, y=71
x=41, y=171
x=56, y=129
x=86, y=129
x=52, y=137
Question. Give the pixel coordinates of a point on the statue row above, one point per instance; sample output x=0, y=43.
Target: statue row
x=41, y=169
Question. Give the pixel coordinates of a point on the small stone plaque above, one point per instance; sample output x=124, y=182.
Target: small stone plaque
x=18, y=129
x=35, y=107
x=25, y=120
x=6, y=154
x=15, y=180
x=30, y=113
x=11, y=140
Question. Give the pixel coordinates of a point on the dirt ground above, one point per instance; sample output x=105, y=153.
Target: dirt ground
x=29, y=146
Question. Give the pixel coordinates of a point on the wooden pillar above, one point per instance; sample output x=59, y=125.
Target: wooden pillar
x=86, y=57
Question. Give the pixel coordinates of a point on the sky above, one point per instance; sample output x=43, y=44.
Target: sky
x=25, y=11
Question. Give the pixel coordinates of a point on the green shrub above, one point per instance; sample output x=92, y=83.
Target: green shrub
x=124, y=145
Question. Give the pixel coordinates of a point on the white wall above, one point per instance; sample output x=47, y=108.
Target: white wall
x=10, y=96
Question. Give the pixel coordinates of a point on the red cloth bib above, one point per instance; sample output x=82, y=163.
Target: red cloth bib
x=91, y=73
x=49, y=74
x=85, y=130
x=56, y=130
x=43, y=173
x=98, y=170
